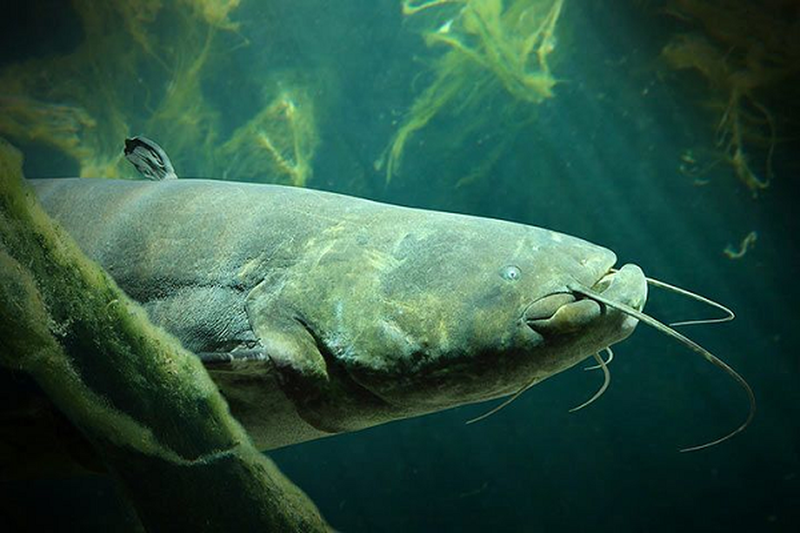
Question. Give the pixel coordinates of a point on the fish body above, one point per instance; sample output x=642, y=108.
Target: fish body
x=318, y=313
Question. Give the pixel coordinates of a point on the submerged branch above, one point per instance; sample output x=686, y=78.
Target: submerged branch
x=146, y=404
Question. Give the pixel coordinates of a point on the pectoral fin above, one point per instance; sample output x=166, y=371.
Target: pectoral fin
x=320, y=388
x=288, y=342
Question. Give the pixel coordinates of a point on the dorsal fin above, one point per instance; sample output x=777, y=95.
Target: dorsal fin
x=149, y=158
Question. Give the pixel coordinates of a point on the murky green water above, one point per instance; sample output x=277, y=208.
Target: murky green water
x=626, y=152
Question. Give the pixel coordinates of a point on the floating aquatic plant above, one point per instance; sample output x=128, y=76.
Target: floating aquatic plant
x=743, y=54
x=141, y=69
x=493, y=47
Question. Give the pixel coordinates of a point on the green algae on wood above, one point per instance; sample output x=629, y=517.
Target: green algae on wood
x=148, y=406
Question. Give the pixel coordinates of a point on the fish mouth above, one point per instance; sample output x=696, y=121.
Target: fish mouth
x=565, y=311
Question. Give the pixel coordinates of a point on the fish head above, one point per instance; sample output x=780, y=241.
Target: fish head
x=483, y=308
x=426, y=313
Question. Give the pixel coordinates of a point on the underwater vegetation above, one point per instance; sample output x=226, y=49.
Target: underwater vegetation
x=179, y=72
x=282, y=136
x=746, y=52
x=748, y=242
x=493, y=49
x=156, y=68
x=141, y=67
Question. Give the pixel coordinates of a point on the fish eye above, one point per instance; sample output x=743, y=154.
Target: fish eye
x=510, y=273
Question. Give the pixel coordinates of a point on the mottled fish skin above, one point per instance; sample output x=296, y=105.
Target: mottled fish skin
x=150, y=160
x=319, y=314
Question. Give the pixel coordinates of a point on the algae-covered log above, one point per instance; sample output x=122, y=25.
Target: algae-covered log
x=146, y=404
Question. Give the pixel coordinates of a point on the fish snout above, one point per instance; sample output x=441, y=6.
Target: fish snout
x=628, y=285
x=567, y=311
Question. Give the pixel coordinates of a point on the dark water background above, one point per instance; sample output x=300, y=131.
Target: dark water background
x=600, y=162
